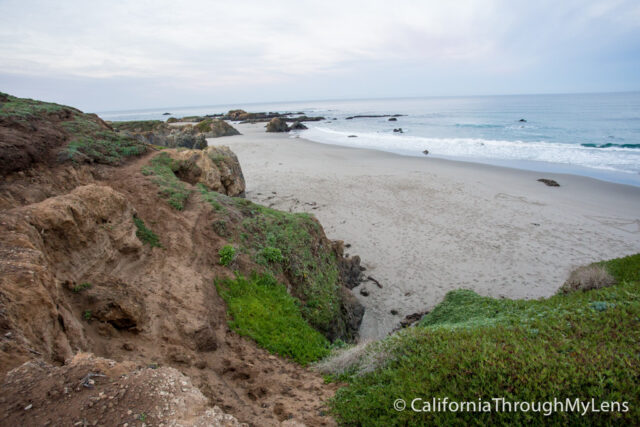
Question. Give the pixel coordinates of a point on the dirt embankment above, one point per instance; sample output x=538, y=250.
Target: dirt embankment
x=75, y=277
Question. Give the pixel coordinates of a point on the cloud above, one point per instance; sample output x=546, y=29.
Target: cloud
x=204, y=44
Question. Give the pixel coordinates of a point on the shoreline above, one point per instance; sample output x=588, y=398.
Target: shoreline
x=424, y=226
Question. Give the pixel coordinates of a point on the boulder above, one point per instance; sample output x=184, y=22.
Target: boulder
x=216, y=128
x=298, y=126
x=393, y=119
x=277, y=125
x=549, y=182
x=398, y=130
x=217, y=168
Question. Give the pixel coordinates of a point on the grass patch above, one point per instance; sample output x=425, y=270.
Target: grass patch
x=227, y=254
x=270, y=255
x=262, y=309
x=210, y=197
x=174, y=191
x=145, y=234
x=81, y=287
x=90, y=140
x=578, y=345
x=23, y=108
x=204, y=126
x=288, y=243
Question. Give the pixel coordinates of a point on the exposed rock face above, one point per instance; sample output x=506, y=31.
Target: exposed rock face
x=298, y=126
x=60, y=232
x=277, y=125
x=215, y=167
x=186, y=136
x=90, y=389
x=216, y=128
x=349, y=267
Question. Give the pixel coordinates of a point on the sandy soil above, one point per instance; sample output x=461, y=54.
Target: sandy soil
x=425, y=226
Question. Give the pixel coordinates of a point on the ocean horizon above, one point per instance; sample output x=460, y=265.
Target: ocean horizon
x=595, y=135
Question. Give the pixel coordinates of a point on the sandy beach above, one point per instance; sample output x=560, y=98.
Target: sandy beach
x=425, y=226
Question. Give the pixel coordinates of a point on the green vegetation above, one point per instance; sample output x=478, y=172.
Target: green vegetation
x=145, y=234
x=261, y=309
x=94, y=142
x=171, y=188
x=227, y=254
x=270, y=255
x=81, y=287
x=90, y=140
x=86, y=315
x=288, y=243
x=204, y=126
x=584, y=344
x=210, y=197
x=23, y=108
x=137, y=125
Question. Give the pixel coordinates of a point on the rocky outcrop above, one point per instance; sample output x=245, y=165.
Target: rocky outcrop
x=217, y=168
x=298, y=126
x=168, y=135
x=277, y=125
x=549, y=182
x=215, y=128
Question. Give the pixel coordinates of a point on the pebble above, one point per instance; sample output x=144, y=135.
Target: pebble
x=29, y=406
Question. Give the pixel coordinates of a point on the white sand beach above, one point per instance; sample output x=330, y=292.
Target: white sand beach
x=425, y=226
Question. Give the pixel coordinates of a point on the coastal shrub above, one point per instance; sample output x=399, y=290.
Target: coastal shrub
x=23, y=108
x=91, y=141
x=81, y=287
x=145, y=234
x=587, y=277
x=227, y=254
x=174, y=191
x=270, y=255
x=204, y=126
x=472, y=348
x=309, y=265
x=262, y=309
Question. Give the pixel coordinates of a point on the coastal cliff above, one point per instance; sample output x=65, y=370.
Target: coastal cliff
x=132, y=252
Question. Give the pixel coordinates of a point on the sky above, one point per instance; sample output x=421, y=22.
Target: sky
x=117, y=55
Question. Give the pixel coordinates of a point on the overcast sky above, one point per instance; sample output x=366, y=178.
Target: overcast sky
x=107, y=55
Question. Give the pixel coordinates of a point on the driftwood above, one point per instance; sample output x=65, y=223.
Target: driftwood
x=374, y=281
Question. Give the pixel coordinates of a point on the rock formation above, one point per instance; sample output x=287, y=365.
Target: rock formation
x=277, y=125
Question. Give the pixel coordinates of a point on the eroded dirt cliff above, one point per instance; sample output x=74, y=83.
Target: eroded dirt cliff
x=76, y=277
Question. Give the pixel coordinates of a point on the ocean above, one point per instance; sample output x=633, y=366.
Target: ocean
x=595, y=135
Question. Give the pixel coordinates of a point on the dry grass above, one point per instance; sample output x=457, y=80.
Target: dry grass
x=588, y=277
x=360, y=359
